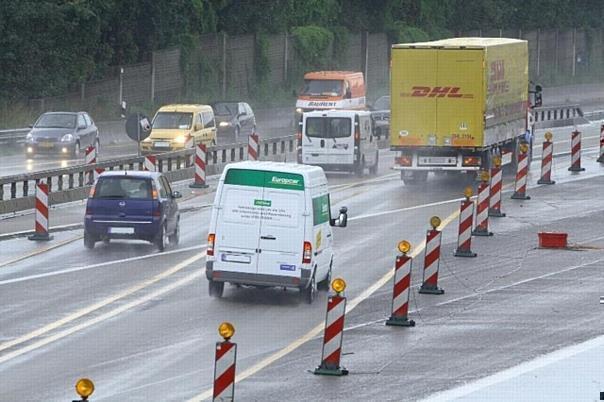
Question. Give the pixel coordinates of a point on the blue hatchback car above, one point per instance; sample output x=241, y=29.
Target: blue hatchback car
x=132, y=205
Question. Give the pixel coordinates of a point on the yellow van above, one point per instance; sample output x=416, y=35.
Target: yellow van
x=173, y=124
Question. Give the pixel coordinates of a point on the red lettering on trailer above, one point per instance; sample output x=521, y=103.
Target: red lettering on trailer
x=436, y=92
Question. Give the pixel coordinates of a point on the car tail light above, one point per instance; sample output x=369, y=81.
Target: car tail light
x=404, y=160
x=307, y=253
x=471, y=161
x=211, y=241
x=156, y=210
x=154, y=194
x=92, y=191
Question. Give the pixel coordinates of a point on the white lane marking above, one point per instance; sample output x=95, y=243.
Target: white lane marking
x=518, y=370
x=393, y=211
x=110, y=314
x=87, y=310
x=40, y=251
x=101, y=264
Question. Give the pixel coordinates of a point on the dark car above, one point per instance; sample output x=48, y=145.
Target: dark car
x=234, y=118
x=63, y=133
x=132, y=205
x=381, y=116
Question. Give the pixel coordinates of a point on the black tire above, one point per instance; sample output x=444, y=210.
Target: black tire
x=359, y=168
x=324, y=284
x=77, y=150
x=417, y=178
x=89, y=241
x=215, y=289
x=160, y=239
x=309, y=293
x=374, y=169
x=174, y=238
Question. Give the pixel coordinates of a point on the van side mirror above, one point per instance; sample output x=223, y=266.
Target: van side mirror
x=176, y=194
x=342, y=220
x=198, y=127
x=348, y=94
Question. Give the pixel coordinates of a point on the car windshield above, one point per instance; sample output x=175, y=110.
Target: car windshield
x=383, y=103
x=56, y=120
x=122, y=188
x=322, y=87
x=328, y=127
x=173, y=120
x=225, y=109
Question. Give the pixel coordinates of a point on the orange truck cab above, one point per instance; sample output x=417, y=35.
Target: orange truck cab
x=331, y=90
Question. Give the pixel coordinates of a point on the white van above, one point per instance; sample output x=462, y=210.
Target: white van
x=271, y=226
x=340, y=140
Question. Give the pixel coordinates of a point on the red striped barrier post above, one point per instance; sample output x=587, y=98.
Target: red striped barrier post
x=432, y=259
x=546, y=160
x=521, y=174
x=150, y=163
x=601, y=157
x=334, y=332
x=495, y=189
x=201, y=157
x=482, y=207
x=190, y=144
x=466, y=217
x=402, y=288
x=41, y=225
x=224, y=365
x=90, y=159
x=575, y=152
x=253, y=147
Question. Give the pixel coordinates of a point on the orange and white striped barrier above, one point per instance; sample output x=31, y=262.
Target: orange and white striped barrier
x=546, y=160
x=521, y=174
x=495, y=189
x=201, y=158
x=575, y=152
x=90, y=159
x=482, y=208
x=150, y=163
x=601, y=157
x=334, y=332
x=41, y=225
x=432, y=259
x=224, y=365
x=190, y=144
x=402, y=288
x=466, y=217
x=253, y=147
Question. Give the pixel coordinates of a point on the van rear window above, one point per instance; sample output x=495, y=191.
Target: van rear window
x=122, y=187
x=262, y=178
x=328, y=127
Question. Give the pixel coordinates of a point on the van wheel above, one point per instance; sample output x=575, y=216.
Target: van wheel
x=324, y=284
x=161, y=239
x=215, y=289
x=89, y=241
x=360, y=167
x=174, y=238
x=374, y=169
x=308, y=293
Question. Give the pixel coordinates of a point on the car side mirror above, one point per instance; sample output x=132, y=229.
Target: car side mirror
x=342, y=220
x=81, y=126
x=176, y=194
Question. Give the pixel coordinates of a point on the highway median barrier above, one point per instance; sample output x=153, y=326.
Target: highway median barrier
x=201, y=161
x=432, y=259
x=224, y=364
x=546, y=160
x=575, y=152
x=253, y=147
x=41, y=216
x=401, y=290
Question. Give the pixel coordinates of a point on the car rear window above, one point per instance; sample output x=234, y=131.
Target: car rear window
x=123, y=188
x=328, y=127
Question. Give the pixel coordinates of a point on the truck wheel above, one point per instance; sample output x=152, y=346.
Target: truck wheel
x=308, y=293
x=415, y=178
x=215, y=289
x=374, y=169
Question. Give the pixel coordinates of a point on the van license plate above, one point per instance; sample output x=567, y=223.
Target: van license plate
x=121, y=230
x=45, y=145
x=243, y=259
x=162, y=144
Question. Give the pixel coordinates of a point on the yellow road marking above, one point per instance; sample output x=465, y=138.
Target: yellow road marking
x=94, y=307
x=37, y=252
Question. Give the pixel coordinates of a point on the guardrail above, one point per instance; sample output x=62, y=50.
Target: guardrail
x=13, y=136
x=71, y=183
x=552, y=116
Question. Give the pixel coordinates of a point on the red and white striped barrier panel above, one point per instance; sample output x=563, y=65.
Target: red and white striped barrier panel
x=253, y=147
x=575, y=152
x=482, y=211
x=401, y=292
x=90, y=159
x=495, y=192
x=150, y=163
x=332, y=339
x=464, y=238
x=224, y=371
x=431, y=263
x=521, y=177
x=41, y=226
x=601, y=157
x=201, y=158
x=546, y=163
x=190, y=144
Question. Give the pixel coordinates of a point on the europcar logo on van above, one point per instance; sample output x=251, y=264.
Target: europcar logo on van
x=285, y=181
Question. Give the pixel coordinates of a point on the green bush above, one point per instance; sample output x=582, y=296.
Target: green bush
x=312, y=48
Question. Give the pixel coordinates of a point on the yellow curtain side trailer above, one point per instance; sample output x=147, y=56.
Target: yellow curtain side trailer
x=455, y=103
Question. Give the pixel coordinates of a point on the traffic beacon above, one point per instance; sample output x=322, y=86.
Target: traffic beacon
x=334, y=332
x=400, y=293
x=84, y=388
x=432, y=259
x=224, y=364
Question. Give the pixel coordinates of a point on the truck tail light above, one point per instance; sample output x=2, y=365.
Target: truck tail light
x=404, y=160
x=211, y=241
x=357, y=135
x=471, y=161
x=307, y=253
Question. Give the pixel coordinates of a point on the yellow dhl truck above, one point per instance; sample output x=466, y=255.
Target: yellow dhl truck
x=456, y=103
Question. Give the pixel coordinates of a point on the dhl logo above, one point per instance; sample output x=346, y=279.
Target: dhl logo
x=437, y=92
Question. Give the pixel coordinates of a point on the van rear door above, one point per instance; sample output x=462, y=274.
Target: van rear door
x=282, y=225
x=328, y=140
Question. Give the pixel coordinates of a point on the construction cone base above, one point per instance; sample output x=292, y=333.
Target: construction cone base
x=40, y=236
x=323, y=370
x=517, y=196
x=198, y=185
x=496, y=214
x=545, y=181
x=463, y=253
x=600, y=159
x=481, y=233
x=431, y=290
x=576, y=169
x=400, y=322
